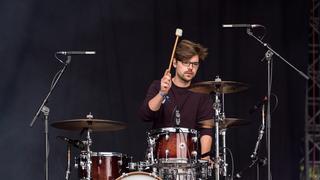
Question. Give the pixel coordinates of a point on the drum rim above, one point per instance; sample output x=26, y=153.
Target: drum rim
x=139, y=172
x=107, y=154
x=172, y=130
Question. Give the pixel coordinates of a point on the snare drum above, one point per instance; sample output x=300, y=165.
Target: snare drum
x=174, y=145
x=138, y=175
x=105, y=165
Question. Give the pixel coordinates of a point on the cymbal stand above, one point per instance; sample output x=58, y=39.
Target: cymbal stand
x=223, y=133
x=88, y=143
x=224, y=170
x=217, y=118
x=88, y=155
x=151, y=144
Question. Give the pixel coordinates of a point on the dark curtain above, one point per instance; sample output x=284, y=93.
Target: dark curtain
x=133, y=41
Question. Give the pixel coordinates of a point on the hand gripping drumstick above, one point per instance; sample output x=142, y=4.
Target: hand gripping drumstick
x=178, y=34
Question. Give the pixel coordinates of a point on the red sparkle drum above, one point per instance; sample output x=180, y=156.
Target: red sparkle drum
x=174, y=145
x=105, y=165
x=139, y=175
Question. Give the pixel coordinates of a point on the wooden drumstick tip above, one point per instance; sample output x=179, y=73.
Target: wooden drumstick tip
x=178, y=32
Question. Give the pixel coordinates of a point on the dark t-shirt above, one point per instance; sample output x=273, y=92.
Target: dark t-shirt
x=193, y=107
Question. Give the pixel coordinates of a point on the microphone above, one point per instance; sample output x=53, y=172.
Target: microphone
x=76, y=143
x=177, y=117
x=76, y=52
x=258, y=105
x=241, y=25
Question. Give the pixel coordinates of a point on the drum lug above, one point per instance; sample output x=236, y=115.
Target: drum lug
x=76, y=162
x=167, y=153
x=99, y=161
x=120, y=162
x=194, y=154
x=167, y=137
x=195, y=139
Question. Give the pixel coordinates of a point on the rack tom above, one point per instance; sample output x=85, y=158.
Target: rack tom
x=174, y=145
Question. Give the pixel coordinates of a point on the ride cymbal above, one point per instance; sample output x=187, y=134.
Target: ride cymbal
x=226, y=123
x=225, y=87
x=92, y=124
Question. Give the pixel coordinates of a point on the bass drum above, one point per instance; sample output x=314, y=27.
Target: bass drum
x=138, y=175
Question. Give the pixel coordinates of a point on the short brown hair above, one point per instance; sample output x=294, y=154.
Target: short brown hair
x=187, y=49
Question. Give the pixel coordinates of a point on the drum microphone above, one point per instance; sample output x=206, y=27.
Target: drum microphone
x=76, y=143
x=76, y=52
x=258, y=105
x=177, y=117
x=241, y=25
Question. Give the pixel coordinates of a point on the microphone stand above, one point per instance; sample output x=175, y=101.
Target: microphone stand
x=45, y=110
x=261, y=132
x=255, y=158
x=68, y=172
x=268, y=55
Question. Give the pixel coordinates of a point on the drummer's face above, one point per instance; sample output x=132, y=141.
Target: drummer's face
x=186, y=70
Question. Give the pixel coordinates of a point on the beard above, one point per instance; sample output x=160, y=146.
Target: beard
x=186, y=76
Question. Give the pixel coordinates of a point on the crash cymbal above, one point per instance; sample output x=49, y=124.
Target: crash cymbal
x=92, y=124
x=225, y=87
x=226, y=123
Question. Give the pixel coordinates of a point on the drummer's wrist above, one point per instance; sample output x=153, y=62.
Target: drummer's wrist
x=162, y=94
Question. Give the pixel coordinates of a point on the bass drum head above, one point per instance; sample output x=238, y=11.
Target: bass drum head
x=138, y=175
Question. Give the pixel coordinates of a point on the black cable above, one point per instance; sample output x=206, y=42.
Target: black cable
x=232, y=161
x=276, y=103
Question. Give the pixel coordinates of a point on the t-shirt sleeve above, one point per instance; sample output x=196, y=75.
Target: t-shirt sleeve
x=145, y=113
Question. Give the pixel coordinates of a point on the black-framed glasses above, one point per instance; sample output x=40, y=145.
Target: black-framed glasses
x=187, y=64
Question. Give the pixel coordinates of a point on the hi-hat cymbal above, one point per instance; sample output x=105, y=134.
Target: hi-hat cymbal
x=225, y=87
x=226, y=123
x=92, y=124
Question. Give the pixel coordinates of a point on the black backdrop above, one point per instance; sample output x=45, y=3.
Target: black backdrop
x=133, y=41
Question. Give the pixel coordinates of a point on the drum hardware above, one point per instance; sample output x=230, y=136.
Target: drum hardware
x=220, y=123
x=173, y=145
x=256, y=160
x=150, y=151
x=95, y=125
x=218, y=86
x=225, y=124
x=68, y=171
x=268, y=56
x=45, y=110
x=224, y=153
x=175, y=153
x=88, y=162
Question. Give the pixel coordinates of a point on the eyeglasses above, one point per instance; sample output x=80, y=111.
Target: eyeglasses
x=187, y=64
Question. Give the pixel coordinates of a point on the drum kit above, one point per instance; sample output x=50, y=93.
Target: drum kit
x=172, y=153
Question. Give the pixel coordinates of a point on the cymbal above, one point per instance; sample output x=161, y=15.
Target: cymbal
x=226, y=123
x=92, y=124
x=225, y=87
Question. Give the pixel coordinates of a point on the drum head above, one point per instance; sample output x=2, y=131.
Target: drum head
x=138, y=175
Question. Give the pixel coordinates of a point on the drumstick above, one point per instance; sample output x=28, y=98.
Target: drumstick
x=178, y=34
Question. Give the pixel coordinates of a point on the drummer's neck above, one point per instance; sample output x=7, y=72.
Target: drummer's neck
x=180, y=83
